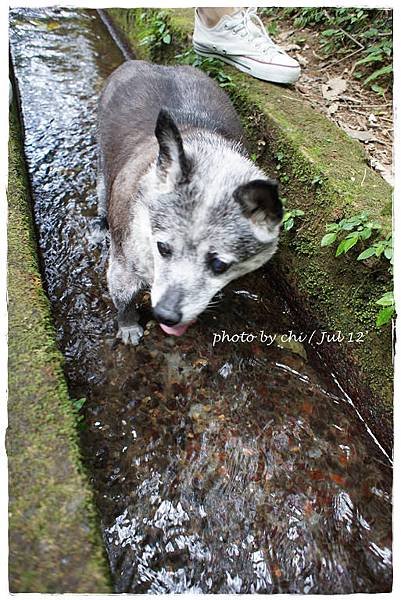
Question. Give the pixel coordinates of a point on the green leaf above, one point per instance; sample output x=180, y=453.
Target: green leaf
x=379, y=73
x=289, y=224
x=348, y=226
x=388, y=252
x=329, y=32
x=378, y=89
x=340, y=248
x=384, y=316
x=332, y=227
x=369, y=59
x=386, y=300
x=328, y=239
x=352, y=235
x=375, y=225
x=366, y=253
x=346, y=245
x=78, y=404
x=167, y=38
x=365, y=233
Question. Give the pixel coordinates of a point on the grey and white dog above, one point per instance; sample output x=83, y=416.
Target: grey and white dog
x=188, y=210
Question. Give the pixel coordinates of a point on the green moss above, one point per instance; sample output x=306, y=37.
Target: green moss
x=327, y=176
x=54, y=539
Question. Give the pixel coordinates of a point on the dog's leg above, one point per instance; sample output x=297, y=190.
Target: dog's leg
x=124, y=287
x=129, y=330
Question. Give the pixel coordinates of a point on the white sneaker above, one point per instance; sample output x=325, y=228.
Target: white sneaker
x=240, y=39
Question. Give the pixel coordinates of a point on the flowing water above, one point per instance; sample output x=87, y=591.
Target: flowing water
x=231, y=466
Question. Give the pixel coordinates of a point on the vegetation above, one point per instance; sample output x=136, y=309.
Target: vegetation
x=357, y=229
x=211, y=66
x=362, y=33
x=156, y=32
x=77, y=405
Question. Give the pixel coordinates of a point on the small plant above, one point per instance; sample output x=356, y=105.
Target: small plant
x=381, y=247
x=279, y=157
x=213, y=67
x=360, y=228
x=290, y=216
x=77, y=406
x=318, y=180
x=284, y=178
x=387, y=312
x=357, y=228
x=157, y=32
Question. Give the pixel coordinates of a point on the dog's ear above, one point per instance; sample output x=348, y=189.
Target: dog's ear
x=260, y=202
x=172, y=163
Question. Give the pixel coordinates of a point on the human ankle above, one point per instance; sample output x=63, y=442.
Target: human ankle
x=210, y=17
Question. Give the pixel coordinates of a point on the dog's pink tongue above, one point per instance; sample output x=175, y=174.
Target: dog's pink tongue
x=176, y=330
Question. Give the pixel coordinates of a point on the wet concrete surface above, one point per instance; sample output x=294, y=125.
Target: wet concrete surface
x=218, y=467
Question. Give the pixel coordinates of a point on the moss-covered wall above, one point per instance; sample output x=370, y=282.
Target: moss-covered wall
x=54, y=540
x=327, y=176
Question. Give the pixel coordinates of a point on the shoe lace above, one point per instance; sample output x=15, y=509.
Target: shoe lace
x=251, y=26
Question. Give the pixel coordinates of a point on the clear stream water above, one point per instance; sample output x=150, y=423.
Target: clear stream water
x=238, y=467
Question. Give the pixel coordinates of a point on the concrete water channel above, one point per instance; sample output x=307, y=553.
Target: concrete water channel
x=226, y=467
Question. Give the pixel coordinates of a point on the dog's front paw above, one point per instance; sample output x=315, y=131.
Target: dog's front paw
x=130, y=334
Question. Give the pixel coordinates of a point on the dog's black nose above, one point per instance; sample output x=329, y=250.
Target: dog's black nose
x=167, y=316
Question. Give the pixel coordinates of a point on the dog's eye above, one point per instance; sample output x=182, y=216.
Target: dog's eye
x=217, y=265
x=164, y=249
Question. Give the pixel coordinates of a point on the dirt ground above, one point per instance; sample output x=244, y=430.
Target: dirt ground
x=330, y=87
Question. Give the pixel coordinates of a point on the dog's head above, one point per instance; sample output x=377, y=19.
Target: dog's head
x=214, y=216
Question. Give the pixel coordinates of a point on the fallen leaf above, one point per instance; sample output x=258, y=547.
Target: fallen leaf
x=51, y=25
x=358, y=134
x=317, y=475
x=385, y=172
x=301, y=88
x=277, y=571
x=284, y=35
x=334, y=88
x=308, y=508
x=307, y=408
x=301, y=59
x=333, y=108
x=337, y=479
x=200, y=362
x=290, y=47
